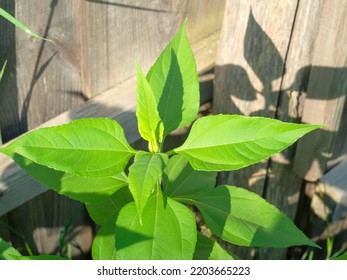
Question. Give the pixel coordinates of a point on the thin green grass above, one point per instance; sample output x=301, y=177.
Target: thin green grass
x=20, y=25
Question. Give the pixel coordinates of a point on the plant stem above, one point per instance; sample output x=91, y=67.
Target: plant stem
x=18, y=234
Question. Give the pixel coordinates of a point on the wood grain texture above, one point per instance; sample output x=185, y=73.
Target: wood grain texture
x=47, y=76
x=326, y=90
x=139, y=30
x=328, y=216
x=249, y=67
x=267, y=65
x=249, y=72
x=283, y=186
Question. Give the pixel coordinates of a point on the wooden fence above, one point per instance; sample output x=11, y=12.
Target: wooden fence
x=281, y=59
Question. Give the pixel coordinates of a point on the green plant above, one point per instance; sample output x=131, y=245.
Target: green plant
x=17, y=23
x=143, y=212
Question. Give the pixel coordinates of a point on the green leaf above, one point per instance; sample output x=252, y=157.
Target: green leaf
x=230, y=142
x=143, y=177
x=87, y=147
x=40, y=258
x=7, y=252
x=106, y=211
x=104, y=244
x=244, y=218
x=2, y=70
x=13, y=20
x=341, y=257
x=150, y=125
x=181, y=180
x=174, y=81
x=208, y=249
x=84, y=189
x=168, y=231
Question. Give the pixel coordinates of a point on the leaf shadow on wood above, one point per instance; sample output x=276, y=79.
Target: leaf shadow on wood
x=237, y=93
x=39, y=67
x=240, y=96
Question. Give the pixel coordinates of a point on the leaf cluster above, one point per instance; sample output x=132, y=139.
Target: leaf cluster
x=143, y=214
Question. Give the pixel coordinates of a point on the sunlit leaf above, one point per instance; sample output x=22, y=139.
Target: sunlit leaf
x=106, y=211
x=230, y=142
x=208, y=249
x=84, y=189
x=168, y=231
x=244, y=218
x=150, y=125
x=144, y=174
x=104, y=243
x=87, y=147
x=7, y=252
x=174, y=81
x=181, y=180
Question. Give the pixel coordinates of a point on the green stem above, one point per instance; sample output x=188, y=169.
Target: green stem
x=18, y=234
x=27, y=247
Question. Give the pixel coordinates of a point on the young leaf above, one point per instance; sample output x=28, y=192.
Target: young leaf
x=84, y=189
x=7, y=252
x=87, y=147
x=168, y=231
x=144, y=175
x=207, y=249
x=106, y=211
x=230, y=142
x=150, y=126
x=174, y=81
x=181, y=180
x=104, y=244
x=244, y=218
x=13, y=20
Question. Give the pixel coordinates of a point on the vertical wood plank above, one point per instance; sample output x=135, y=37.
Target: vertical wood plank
x=120, y=32
x=283, y=186
x=48, y=214
x=308, y=73
x=249, y=67
x=326, y=91
x=9, y=121
x=48, y=82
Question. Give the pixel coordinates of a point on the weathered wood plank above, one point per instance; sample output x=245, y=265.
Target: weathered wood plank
x=8, y=85
x=326, y=90
x=139, y=30
x=283, y=186
x=249, y=67
x=47, y=78
x=17, y=187
x=328, y=217
x=43, y=232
